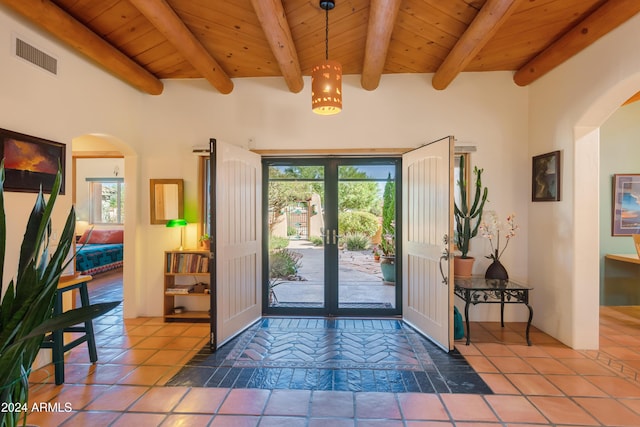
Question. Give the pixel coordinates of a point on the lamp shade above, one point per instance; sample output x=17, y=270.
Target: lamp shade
x=81, y=227
x=176, y=223
x=326, y=88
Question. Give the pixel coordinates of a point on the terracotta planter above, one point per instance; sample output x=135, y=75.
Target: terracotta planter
x=462, y=267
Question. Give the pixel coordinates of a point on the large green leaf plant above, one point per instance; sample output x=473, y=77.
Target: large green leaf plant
x=26, y=307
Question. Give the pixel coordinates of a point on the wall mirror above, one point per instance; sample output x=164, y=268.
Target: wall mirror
x=167, y=200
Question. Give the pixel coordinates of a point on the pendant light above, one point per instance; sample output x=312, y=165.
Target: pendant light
x=326, y=77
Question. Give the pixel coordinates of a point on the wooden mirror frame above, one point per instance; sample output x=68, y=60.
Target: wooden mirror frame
x=157, y=201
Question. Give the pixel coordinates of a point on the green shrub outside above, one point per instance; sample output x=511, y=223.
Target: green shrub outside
x=356, y=241
x=283, y=263
x=277, y=242
x=357, y=222
x=316, y=240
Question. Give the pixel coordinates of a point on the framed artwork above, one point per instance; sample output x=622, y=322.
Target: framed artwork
x=31, y=162
x=545, y=179
x=626, y=205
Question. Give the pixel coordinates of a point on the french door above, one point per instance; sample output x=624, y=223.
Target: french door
x=302, y=240
x=324, y=221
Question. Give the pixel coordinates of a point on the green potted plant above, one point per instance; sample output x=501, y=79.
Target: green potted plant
x=388, y=240
x=468, y=216
x=205, y=241
x=26, y=310
x=376, y=253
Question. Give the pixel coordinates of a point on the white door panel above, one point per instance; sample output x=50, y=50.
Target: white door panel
x=238, y=254
x=427, y=180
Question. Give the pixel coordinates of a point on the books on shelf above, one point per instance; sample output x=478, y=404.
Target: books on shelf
x=178, y=262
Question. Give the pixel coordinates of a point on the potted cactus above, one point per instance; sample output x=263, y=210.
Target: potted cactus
x=468, y=217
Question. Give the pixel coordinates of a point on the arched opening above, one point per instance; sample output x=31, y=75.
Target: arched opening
x=586, y=301
x=96, y=145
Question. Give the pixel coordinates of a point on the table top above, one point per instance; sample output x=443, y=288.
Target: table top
x=631, y=258
x=479, y=283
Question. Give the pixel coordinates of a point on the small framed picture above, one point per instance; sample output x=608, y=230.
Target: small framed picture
x=31, y=162
x=625, y=214
x=545, y=179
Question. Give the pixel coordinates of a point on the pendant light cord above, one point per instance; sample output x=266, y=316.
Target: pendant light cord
x=326, y=34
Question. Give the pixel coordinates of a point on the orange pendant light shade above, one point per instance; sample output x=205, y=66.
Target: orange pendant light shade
x=326, y=88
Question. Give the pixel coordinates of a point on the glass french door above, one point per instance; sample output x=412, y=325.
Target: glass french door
x=330, y=236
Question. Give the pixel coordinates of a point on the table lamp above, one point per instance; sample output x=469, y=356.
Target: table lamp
x=178, y=223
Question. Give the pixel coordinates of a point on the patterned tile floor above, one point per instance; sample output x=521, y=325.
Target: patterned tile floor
x=547, y=384
x=320, y=354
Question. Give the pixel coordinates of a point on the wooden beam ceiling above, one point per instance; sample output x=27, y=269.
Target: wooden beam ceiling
x=66, y=28
x=382, y=20
x=141, y=41
x=164, y=18
x=493, y=14
x=276, y=28
x=604, y=19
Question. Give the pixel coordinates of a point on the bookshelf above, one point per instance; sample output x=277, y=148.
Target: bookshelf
x=186, y=286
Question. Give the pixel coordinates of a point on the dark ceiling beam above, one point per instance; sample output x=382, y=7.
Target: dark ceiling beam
x=47, y=15
x=604, y=19
x=276, y=28
x=489, y=19
x=165, y=19
x=382, y=19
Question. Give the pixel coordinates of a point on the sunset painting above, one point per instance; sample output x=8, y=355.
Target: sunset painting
x=30, y=162
x=626, y=220
x=630, y=207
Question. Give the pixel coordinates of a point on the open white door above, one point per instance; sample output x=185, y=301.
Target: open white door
x=427, y=228
x=236, y=192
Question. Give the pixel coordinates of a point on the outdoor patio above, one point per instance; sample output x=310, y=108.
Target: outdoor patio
x=359, y=276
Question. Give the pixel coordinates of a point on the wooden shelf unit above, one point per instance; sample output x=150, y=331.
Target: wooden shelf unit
x=184, y=268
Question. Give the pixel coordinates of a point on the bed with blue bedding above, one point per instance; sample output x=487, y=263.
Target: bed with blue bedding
x=99, y=251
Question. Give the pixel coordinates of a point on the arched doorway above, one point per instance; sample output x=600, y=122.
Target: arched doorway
x=101, y=145
x=586, y=301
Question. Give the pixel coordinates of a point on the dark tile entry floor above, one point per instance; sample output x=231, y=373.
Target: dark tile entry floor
x=332, y=354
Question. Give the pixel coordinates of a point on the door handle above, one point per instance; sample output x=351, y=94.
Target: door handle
x=335, y=236
x=444, y=257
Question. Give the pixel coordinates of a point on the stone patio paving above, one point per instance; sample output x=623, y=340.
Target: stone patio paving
x=360, y=278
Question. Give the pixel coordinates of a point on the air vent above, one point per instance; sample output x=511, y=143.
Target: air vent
x=35, y=56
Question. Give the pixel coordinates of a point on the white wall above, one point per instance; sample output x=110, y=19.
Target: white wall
x=405, y=111
x=567, y=107
x=79, y=100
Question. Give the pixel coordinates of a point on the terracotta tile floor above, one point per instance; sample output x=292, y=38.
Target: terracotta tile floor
x=546, y=384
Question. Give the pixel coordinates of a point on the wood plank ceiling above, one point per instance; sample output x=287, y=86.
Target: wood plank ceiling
x=145, y=41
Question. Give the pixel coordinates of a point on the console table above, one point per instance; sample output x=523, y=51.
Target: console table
x=478, y=290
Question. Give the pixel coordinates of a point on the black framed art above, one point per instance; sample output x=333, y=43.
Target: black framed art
x=31, y=162
x=545, y=179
